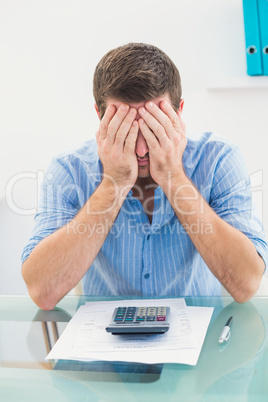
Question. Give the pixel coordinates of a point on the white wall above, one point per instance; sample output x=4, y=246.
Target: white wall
x=48, y=52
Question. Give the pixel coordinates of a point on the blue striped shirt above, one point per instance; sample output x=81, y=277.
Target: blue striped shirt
x=139, y=258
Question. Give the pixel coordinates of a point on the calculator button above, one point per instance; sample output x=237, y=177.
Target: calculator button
x=120, y=312
x=161, y=318
x=150, y=318
x=140, y=318
x=141, y=311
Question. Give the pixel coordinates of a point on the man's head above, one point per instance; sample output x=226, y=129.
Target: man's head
x=134, y=73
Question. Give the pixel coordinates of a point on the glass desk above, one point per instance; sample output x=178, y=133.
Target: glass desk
x=236, y=372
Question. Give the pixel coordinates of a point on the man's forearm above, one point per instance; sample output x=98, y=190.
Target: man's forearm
x=59, y=261
x=228, y=253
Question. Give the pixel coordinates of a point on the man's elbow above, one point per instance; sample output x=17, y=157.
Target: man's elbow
x=41, y=298
x=37, y=291
x=247, y=291
x=249, y=285
x=42, y=301
x=243, y=297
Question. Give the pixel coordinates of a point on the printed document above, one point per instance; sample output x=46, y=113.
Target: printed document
x=86, y=339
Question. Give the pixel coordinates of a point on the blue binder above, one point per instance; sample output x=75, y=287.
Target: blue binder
x=252, y=37
x=263, y=19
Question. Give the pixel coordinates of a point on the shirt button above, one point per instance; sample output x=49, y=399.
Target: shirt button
x=133, y=202
x=146, y=276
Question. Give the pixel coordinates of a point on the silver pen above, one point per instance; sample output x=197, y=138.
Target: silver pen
x=226, y=332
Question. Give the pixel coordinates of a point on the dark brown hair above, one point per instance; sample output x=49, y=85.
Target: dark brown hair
x=134, y=73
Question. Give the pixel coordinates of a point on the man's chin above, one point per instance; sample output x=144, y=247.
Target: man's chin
x=144, y=172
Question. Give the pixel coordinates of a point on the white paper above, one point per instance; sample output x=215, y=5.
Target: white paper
x=86, y=339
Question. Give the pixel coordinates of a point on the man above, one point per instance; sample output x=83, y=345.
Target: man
x=141, y=211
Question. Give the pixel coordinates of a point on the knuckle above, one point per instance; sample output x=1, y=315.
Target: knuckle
x=119, y=135
x=111, y=128
x=103, y=126
x=159, y=131
x=174, y=120
x=167, y=123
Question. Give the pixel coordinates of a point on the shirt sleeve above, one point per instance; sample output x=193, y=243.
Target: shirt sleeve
x=58, y=203
x=231, y=198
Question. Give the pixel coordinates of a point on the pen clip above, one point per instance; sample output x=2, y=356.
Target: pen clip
x=228, y=336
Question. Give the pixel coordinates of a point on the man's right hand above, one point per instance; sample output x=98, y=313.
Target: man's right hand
x=116, y=140
x=49, y=270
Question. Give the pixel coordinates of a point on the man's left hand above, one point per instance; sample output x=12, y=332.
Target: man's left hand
x=164, y=132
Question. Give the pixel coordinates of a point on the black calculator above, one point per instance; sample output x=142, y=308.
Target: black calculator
x=139, y=320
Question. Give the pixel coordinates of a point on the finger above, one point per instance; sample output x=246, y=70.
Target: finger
x=182, y=125
x=150, y=138
x=157, y=127
x=125, y=127
x=108, y=115
x=163, y=118
x=172, y=115
x=116, y=122
x=131, y=139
